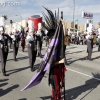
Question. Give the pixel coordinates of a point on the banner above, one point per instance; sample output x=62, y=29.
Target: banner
x=87, y=15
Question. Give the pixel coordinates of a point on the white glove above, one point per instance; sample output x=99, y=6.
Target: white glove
x=29, y=38
x=98, y=37
x=38, y=33
x=13, y=37
x=0, y=37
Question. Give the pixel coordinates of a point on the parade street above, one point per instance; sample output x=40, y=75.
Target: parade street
x=82, y=78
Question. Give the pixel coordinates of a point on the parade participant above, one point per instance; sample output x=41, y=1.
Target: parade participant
x=22, y=36
x=73, y=39
x=94, y=38
x=3, y=47
x=89, y=42
x=10, y=46
x=81, y=38
x=15, y=43
x=46, y=38
x=53, y=58
x=10, y=33
x=66, y=40
x=77, y=39
x=26, y=29
x=99, y=41
x=32, y=44
x=40, y=33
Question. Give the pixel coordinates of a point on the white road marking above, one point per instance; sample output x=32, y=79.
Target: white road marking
x=70, y=69
x=83, y=74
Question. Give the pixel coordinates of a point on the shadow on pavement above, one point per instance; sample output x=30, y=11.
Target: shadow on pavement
x=25, y=51
x=22, y=99
x=75, y=52
x=4, y=92
x=89, y=86
x=71, y=48
x=21, y=69
x=20, y=58
x=36, y=66
x=96, y=58
x=72, y=61
x=72, y=94
x=3, y=84
x=17, y=70
x=2, y=80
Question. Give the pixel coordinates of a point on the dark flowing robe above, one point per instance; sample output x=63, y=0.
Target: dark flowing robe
x=54, y=53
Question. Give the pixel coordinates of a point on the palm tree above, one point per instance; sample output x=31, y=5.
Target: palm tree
x=5, y=17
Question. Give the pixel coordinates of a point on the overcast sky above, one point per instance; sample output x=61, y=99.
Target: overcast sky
x=26, y=8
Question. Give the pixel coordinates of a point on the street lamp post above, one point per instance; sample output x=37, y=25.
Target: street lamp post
x=73, y=14
x=21, y=20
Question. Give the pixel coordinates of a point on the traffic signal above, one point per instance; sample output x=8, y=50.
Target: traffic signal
x=72, y=24
x=11, y=21
x=62, y=14
x=76, y=26
x=87, y=25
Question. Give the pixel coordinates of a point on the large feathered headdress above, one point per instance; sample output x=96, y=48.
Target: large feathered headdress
x=50, y=23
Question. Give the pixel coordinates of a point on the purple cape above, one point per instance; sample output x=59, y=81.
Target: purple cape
x=54, y=53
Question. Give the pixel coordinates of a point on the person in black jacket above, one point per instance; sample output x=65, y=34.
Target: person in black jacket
x=99, y=42
x=89, y=43
x=4, y=39
x=32, y=45
x=15, y=44
x=40, y=33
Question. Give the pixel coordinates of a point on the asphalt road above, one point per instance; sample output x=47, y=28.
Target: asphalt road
x=82, y=78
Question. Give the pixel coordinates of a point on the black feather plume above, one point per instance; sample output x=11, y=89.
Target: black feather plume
x=50, y=22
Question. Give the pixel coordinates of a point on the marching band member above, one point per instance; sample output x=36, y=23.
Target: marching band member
x=99, y=40
x=32, y=44
x=4, y=47
x=15, y=44
x=40, y=34
x=22, y=36
x=89, y=42
x=46, y=38
x=10, y=33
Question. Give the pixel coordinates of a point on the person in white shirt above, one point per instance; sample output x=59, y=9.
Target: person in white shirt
x=32, y=45
x=40, y=33
x=4, y=38
x=15, y=43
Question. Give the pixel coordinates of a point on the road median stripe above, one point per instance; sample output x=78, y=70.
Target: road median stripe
x=83, y=74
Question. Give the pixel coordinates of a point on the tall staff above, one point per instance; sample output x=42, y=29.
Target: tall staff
x=65, y=57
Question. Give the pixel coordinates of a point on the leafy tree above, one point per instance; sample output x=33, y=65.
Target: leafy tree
x=5, y=17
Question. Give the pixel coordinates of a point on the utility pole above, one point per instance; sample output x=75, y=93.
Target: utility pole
x=73, y=14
